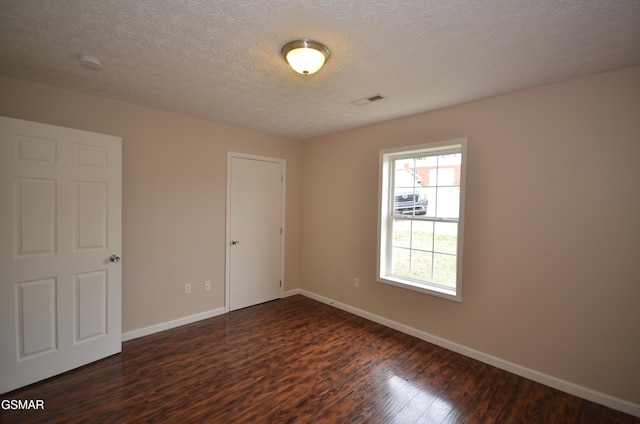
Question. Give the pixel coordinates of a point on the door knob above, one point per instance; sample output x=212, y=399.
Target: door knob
x=114, y=258
x=234, y=242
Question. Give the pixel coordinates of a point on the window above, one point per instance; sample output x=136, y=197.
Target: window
x=422, y=217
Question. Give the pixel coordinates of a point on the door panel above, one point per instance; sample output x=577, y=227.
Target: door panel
x=255, y=221
x=36, y=309
x=91, y=216
x=91, y=307
x=60, y=221
x=36, y=215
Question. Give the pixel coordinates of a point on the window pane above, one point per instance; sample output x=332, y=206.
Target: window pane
x=432, y=201
x=449, y=169
x=448, y=202
x=405, y=173
x=422, y=235
x=427, y=168
x=421, y=265
x=402, y=233
x=401, y=262
x=408, y=194
x=446, y=176
x=446, y=238
x=444, y=269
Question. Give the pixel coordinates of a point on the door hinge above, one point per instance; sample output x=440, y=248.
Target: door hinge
x=281, y=178
x=280, y=283
x=280, y=231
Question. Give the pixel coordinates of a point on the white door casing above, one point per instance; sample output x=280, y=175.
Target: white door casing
x=255, y=230
x=60, y=223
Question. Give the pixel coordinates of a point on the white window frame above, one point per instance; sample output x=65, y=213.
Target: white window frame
x=386, y=216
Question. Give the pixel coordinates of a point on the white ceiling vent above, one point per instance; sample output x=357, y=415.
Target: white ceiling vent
x=367, y=100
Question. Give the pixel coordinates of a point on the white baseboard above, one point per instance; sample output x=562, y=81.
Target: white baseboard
x=292, y=292
x=130, y=335
x=547, y=380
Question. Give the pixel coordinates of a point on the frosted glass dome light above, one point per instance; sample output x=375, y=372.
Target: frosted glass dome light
x=305, y=56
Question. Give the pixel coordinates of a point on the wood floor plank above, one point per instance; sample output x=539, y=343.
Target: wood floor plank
x=295, y=360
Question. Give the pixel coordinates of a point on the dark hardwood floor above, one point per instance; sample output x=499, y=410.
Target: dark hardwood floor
x=296, y=360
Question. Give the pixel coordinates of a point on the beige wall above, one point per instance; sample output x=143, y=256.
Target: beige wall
x=174, y=195
x=552, y=242
x=552, y=237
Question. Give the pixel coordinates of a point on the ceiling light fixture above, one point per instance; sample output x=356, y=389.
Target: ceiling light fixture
x=305, y=56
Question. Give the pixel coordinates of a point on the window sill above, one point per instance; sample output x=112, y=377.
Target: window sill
x=449, y=294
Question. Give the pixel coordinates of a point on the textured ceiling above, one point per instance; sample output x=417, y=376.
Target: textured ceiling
x=220, y=60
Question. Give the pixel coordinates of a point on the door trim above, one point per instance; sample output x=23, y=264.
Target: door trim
x=227, y=250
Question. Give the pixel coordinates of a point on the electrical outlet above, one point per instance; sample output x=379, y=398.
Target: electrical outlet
x=356, y=282
x=187, y=288
x=207, y=286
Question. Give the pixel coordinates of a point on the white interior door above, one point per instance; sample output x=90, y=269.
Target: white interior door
x=255, y=223
x=60, y=223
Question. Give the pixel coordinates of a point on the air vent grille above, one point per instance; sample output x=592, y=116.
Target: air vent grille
x=367, y=100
